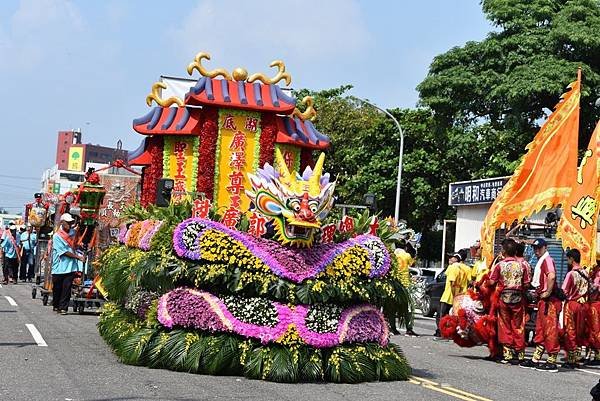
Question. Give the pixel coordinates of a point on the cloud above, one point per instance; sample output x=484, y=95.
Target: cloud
x=239, y=32
x=36, y=30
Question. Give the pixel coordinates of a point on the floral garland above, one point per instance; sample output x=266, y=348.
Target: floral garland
x=321, y=326
x=140, y=234
x=207, y=149
x=146, y=240
x=199, y=239
x=153, y=172
x=267, y=139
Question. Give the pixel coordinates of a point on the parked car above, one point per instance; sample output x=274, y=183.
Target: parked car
x=430, y=303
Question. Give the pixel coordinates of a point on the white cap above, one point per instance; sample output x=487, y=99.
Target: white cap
x=12, y=226
x=67, y=217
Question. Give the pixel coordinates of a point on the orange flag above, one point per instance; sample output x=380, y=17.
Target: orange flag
x=577, y=225
x=546, y=173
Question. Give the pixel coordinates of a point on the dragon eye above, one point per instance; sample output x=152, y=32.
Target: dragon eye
x=295, y=205
x=314, y=207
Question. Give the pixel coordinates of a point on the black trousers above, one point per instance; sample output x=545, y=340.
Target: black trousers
x=9, y=268
x=61, y=290
x=27, y=265
x=443, y=311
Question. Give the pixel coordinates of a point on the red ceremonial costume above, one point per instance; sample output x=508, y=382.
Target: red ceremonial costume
x=594, y=310
x=575, y=288
x=511, y=277
x=547, y=328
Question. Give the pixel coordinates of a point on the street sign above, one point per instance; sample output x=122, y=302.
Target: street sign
x=475, y=192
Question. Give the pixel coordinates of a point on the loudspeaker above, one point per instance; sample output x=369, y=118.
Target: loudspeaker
x=163, y=191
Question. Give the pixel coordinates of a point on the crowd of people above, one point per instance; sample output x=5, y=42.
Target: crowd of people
x=568, y=316
x=18, y=247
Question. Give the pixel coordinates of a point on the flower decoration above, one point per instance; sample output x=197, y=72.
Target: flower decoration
x=199, y=239
x=320, y=326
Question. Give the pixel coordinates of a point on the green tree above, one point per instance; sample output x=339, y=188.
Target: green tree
x=502, y=87
x=363, y=156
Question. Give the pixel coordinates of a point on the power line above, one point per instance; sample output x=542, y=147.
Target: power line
x=19, y=187
x=18, y=177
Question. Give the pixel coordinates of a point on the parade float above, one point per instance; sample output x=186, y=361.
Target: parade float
x=244, y=273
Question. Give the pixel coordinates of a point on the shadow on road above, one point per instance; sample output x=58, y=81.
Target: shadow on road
x=17, y=345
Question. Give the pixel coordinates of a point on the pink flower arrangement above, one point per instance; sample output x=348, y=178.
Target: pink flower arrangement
x=202, y=310
x=140, y=234
x=295, y=264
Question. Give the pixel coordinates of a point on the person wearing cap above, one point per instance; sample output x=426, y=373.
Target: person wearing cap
x=547, y=326
x=575, y=287
x=10, y=250
x=65, y=263
x=457, y=281
x=27, y=244
x=512, y=279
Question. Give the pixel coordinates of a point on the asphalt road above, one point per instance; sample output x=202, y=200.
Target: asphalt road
x=69, y=361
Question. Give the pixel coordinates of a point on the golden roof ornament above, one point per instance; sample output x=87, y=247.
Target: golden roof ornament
x=155, y=96
x=310, y=113
x=239, y=74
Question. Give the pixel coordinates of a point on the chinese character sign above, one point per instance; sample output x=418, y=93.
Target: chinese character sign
x=238, y=153
x=181, y=164
x=475, y=192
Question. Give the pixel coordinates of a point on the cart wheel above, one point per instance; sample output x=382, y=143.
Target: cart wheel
x=80, y=308
x=45, y=299
x=33, y=293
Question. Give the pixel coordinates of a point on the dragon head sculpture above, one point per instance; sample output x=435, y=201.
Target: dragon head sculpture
x=296, y=203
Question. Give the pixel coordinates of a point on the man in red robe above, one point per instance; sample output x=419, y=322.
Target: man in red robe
x=575, y=287
x=594, y=313
x=547, y=327
x=512, y=278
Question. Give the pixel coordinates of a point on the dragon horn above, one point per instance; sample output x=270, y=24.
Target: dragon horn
x=314, y=181
x=282, y=167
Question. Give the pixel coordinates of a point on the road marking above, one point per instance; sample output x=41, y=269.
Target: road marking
x=441, y=390
x=465, y=393
x=588, y=371
x=420, y=379
x=36, y=335
x=446, y=389
x=10, y=300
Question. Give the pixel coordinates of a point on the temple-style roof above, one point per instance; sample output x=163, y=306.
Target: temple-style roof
x=240, y=95
x=294, y=131
x=168, y=121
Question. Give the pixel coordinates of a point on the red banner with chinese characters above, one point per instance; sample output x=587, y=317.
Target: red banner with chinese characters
x=238, y=152
x=577, y=225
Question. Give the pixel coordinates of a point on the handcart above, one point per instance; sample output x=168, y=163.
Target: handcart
x=86, y=296
x=40, y=265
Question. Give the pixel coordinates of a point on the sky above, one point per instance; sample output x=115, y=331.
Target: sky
x=90, y=64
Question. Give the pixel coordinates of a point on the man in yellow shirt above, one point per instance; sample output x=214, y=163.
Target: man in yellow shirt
x=457, y=280
x=480, y=268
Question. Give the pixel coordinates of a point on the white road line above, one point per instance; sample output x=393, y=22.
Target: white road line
x=36, y=335
x=588, y=371
x=10, y=300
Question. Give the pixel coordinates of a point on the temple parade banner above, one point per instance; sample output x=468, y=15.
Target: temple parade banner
x=545, y=175
x=180, y=163
x=578, y=225
x=238, y=152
